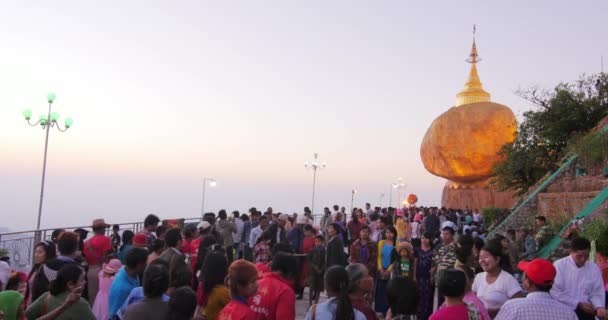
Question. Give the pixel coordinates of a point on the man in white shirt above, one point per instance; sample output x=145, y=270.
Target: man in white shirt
x=238, y=234
x=257, y=231
x=335, y=212
x=538, y=305
x=578, y=283
x=476, y=216
x=368, y=211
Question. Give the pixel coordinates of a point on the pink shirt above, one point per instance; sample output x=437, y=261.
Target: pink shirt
x=457, y=312
x=471, y=298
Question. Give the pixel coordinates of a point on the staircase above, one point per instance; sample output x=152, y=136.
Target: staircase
x=524, y=212
x=590, y=208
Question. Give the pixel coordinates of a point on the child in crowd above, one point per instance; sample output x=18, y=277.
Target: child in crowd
x=106, y=276
x=261, y=251
x=316, y=269
x=308, y=244
x=404, y=265
x=452, y=283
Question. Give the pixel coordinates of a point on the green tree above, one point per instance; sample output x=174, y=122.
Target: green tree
x=560, y=117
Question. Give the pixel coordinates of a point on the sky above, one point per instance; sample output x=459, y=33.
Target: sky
x=163, y=93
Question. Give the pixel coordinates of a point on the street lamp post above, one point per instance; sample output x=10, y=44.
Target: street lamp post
x=352, y=199
x=212, y=183
x=46, y=122
x=398, y=185
x=314, y=165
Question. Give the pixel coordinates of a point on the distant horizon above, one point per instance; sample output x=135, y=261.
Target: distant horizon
x=163, y=94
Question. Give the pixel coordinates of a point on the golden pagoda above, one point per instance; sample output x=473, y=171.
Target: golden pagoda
x=462, y=144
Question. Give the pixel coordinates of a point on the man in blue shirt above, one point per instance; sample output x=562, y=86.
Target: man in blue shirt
x=127, y=278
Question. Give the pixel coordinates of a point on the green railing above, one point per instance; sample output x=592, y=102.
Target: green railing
x=591, y=206
x=534, y=193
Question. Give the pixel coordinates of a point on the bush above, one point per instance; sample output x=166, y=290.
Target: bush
x=592, y=148
x=492, y=215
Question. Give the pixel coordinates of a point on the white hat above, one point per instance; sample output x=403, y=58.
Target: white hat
x=283, y=217
x=449, y=224
x=302, y=220
x=203, y=225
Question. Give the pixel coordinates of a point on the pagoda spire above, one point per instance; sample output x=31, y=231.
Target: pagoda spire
x=473, y=91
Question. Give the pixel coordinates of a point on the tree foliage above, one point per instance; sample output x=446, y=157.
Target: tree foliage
x=560, y=117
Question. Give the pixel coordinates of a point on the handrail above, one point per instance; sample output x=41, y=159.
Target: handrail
x=585, y=212
x=77, y=227
x=535, y=192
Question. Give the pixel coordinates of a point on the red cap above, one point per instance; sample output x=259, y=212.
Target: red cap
x=140, y=240
x=539, y=271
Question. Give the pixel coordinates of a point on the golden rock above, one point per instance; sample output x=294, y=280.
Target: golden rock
x=462, y=143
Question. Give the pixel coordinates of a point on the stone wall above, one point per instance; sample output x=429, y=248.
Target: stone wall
x=559, y=205
x=475, y=198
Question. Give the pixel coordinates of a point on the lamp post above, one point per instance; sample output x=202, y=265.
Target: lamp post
x=352, y=199
x=399, y=185
x=212, y=183
x=314, y=165
x=46, y=122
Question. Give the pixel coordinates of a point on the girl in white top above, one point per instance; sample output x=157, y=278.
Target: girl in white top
x=494, y=286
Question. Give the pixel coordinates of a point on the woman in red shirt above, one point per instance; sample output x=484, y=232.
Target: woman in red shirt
x=242, y=279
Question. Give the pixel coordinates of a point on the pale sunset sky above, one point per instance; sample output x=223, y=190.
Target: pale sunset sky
x=163, y=93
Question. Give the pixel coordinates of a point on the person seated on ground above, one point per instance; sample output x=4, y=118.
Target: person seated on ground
x=403, y=298
x=59, y=302
x=242, y=279
x=578, y=283
x=494, y=286
x=155, y=283
x=127, y=278
x=338, y=305
x=543, y=232
x=182, y=304
x=452, y=284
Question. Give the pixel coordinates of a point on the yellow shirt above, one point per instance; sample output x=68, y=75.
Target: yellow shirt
x=218, y=299
x=401, y=227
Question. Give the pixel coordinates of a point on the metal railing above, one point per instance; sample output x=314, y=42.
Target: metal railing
x=21, y=244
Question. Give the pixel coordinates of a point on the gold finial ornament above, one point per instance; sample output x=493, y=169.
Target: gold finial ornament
x=473, y=90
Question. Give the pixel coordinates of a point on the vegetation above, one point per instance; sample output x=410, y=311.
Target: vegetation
x=592, y=148
x=492, y=215
x=3, y=252
x=561, y=117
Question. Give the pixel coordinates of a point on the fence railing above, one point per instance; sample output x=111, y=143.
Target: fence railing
x=20, y=245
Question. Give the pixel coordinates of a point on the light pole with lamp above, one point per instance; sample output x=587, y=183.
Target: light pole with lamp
x=399, y=185
x=46, y=122
x=212, y=183
x=352, y=199
x=314, y=165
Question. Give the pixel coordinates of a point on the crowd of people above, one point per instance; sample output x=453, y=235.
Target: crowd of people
x=376, y=263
